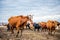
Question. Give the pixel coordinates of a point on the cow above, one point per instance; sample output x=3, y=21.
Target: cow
x=43, y=25
x=28, y=25
x=8, y=27
x=36, y=26
x=18, y=22
x=33, y=26
x=51, y=26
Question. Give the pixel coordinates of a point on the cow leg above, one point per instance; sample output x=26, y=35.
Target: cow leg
x=12, y=30
x=54, y=31
x=41, y=29
x=18, y=27
x=8, y=27
x=38, y=29
x=34, y=29
x=29, y=27
x=26, y=26
x=45, y=29
x=17, y=31
x=21, y=32
x=49, y=31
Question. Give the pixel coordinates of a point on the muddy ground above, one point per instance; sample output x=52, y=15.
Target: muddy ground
x=28, y=35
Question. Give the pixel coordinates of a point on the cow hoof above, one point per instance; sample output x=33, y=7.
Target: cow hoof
x=12, y=33
x=49, y=33
x=16, y=35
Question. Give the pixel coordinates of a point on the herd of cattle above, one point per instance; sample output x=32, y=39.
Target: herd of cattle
x=21, y=22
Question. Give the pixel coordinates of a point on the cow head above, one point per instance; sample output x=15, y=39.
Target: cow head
x=8, y=27
x=30, y=17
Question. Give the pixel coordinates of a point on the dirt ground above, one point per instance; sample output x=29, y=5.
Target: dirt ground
x=28, y=35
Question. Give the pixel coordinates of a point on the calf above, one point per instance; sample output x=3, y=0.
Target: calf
x=36, y=26
x=28, y=25
x=8, y=27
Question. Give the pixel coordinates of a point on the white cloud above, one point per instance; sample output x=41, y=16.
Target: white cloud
x=39, y=8
x=46, y=18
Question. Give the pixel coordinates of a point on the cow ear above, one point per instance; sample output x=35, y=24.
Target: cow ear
x=31, y=16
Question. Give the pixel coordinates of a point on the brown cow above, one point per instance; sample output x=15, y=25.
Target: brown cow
x=51, y=25
x=18, y=22
x=43, y=25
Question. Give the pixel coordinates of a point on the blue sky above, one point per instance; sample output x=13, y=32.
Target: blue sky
x=42, y=10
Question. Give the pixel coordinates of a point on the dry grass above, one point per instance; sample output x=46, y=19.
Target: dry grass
x=27, y=35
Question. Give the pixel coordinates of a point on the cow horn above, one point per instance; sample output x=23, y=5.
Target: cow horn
x=31, y=16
